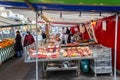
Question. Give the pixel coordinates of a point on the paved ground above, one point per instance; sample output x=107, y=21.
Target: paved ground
x=17, y=69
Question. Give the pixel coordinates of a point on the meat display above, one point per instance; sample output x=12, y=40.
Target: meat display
x=56, y=51
x=77, y=51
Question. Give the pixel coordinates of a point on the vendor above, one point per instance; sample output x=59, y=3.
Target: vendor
x=69, y=37
x=63, y=38
x=44, y=37
x=67, y=34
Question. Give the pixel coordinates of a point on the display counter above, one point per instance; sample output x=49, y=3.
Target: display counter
x=6, y=49
x=57, y=58
x=57, y=53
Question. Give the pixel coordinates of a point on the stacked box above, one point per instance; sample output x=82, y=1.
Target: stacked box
x=103, y=61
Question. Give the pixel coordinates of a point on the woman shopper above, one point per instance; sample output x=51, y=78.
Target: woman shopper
x=18, y=45
x=63, y=38
x=29, y=39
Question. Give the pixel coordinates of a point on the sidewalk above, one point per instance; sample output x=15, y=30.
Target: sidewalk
x=17, y=69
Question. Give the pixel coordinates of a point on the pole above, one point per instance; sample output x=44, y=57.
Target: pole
x=36, y=48
x=30, y=28
x=115, y=51
x=14, y=31
x=1, y=34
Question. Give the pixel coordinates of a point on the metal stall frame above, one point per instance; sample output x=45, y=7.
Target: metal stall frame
x=115, y=51
x=36, y=46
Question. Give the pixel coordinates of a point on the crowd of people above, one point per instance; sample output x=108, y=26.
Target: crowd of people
x=69, y=37
x=25, y=40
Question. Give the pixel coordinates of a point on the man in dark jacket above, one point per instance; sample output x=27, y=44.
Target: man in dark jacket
x=18, y=44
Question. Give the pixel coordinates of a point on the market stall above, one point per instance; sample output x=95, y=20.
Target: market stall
x=6, y=49
x=37, y=7
x=59, y=62
x=57, y=58
x=8, y=22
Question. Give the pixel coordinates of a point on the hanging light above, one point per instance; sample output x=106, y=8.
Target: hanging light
x=61, y=14
x=80, y=14
x=100, y=14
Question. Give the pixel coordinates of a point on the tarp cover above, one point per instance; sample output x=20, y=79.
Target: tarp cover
x=107, y=37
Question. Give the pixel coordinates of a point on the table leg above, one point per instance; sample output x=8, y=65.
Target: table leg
x=78, y=70
x=44, y=73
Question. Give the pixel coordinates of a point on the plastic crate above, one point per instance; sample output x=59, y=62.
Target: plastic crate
x=102, y=54
x=102, y=69
x=101, y=51
x=101, y=63
x=103, y=57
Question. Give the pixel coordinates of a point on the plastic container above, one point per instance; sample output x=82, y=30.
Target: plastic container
x=85, y=65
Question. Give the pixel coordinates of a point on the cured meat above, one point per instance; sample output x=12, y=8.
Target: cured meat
x=72, y=44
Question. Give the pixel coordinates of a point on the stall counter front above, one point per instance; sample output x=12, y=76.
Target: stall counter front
x=6, y=49
x=56, y=58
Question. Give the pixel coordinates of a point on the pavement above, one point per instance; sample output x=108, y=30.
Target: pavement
x=17, y=69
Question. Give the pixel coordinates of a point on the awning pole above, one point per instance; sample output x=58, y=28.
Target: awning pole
x=14, y=31
x=30, y=28
x=1, y=34
x=115, y=51
x=36, y=48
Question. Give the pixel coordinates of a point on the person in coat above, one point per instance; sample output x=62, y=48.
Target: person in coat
x=29, y=39
x=18, y=45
